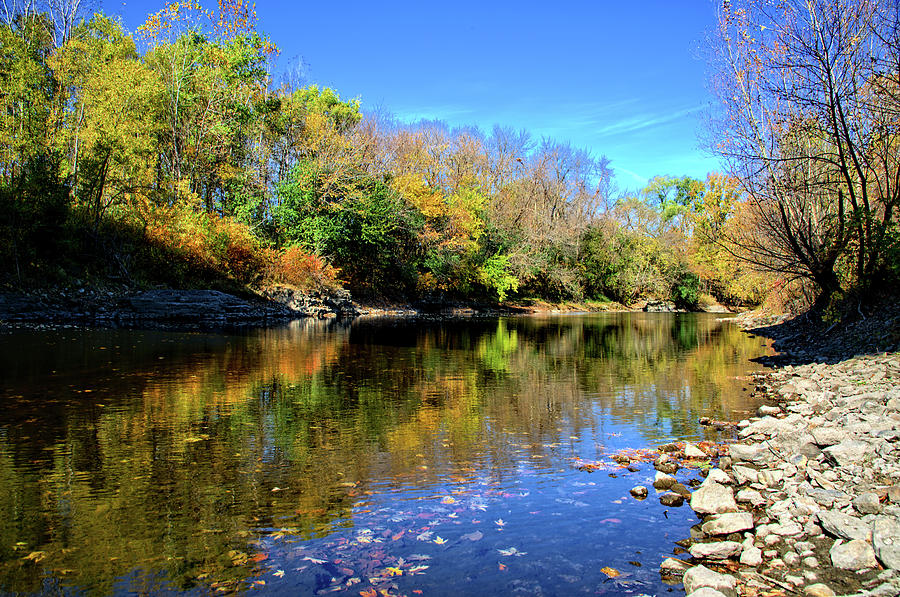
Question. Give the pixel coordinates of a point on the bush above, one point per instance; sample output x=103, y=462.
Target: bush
x=295, y=267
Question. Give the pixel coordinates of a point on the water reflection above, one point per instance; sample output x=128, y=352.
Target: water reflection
x=151, y=461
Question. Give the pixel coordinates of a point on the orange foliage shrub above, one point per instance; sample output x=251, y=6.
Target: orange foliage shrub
x=206, y=244
x=295, y=267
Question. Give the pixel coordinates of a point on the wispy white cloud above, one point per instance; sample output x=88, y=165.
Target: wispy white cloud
x=641, y=122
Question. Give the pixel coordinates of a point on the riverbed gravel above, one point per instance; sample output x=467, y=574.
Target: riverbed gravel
x=806, y=500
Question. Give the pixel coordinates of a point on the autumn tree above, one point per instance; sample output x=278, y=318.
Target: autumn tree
x=809, y=127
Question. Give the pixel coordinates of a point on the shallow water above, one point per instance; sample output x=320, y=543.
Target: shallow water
x=410, y=457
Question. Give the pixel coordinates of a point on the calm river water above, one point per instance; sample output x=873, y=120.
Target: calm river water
x=372, y=457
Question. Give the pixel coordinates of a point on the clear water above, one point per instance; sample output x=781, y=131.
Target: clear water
x=375, y=457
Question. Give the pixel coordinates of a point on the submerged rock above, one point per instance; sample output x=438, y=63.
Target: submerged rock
x=640, y=492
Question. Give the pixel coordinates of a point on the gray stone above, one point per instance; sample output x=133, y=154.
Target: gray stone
x=715, y=551
x=701, y=576
x=713, y=498
x=848, y=452
x=818, y=590
x=692, y=451
x=886, y=539
x=731, y=522
x=640, y=492
x=827, y=497
x=853, y=555
x=753, y=453
x=663, y=480
x=743, y=474
x=844, y=526
x=867, y=503
x=827, y=436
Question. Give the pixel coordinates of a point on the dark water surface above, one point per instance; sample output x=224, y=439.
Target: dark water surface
x=380, y=456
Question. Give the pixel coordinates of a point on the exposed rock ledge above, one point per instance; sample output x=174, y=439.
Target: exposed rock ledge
x=172, y=307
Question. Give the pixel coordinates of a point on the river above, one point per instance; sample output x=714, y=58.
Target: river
x=379, y=456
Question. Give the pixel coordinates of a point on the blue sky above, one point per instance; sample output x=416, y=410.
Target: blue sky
x=623, y=79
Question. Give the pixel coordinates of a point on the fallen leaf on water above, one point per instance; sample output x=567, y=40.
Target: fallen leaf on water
x=440, y=540
x=426, y=536
x=417, y=569
x=499, y=522
x=398, y=536
x=476, y=536
x=512, y=551
x=259, y=557
x=368, y=593
x=502, y=567
x=278, y=573
x=610, y=572
x=391, y=571
x=36, y=556
x=448, y=500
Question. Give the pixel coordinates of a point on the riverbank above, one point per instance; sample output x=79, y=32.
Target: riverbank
x=807, y=500
x=209, y=309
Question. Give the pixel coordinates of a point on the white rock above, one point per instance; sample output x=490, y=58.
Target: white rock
x=751, y=556
x=706, y=592
x=730, y=522
x=853, y=555
x=713, y=498
x=692, y=451
x=701, y=576
x=717, y=475
x=818, y=590
x=715, y=551
x=743, y=474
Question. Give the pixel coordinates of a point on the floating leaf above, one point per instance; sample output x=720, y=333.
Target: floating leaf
x=417, y=569
x=440, y=540
x=500, y=522
x=512, y=551
x=476, y=536
x=36, y=556
x=426, y=536
x=610, y=572
x=392, y=571
x=398, y=536
x=370, y=592
x=278, y=573
x=501, y=567
x=448, y=500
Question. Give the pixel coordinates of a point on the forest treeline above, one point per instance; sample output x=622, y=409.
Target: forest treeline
x=170, y=156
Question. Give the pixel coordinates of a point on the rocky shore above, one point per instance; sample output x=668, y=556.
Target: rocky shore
x=169, y=308
x=806, y=501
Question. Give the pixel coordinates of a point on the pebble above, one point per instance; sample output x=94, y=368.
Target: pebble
x=719, y=550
